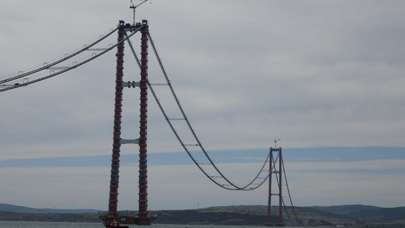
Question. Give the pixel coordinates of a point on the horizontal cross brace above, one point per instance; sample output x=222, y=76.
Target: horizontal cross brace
x=130, y=28
x=129, y=141
x=130, y=84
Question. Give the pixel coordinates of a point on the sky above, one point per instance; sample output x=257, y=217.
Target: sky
x=313, y=73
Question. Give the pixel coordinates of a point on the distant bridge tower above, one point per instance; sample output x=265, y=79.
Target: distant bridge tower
x=275, y=170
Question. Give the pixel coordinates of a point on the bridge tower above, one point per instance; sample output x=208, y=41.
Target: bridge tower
x=112, y=219
x=275, y=171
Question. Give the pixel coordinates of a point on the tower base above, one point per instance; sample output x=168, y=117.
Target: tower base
x=124, y=221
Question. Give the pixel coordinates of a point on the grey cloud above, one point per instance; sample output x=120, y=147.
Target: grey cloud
x=315, y=73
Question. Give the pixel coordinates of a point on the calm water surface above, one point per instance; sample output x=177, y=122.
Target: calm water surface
x=93, y=225
x=47, y=225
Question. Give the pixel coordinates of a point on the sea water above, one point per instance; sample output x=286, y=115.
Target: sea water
x=96, y=225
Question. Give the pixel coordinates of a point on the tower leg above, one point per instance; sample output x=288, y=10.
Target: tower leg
x=270, y=183
x=143, y=217
x=111, y=219
x=280, y=188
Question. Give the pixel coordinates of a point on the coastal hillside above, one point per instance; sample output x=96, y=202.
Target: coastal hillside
x=349, y=215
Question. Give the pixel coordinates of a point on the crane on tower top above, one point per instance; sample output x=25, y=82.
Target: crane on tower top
x=133, y=6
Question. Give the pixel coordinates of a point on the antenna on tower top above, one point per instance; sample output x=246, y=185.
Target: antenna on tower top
x=133, y=6
x=276, y=141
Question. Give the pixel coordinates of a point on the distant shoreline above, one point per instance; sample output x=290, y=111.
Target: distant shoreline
x=227, y=215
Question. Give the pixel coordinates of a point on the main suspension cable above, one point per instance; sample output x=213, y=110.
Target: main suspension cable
x=18, y=85
x=289, y=194
x=298, y=220
x=47, y=66
x=229, y=185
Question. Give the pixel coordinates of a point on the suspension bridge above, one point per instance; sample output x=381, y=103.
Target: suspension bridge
x=271, y=169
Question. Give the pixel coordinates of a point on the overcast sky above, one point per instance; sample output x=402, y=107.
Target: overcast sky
x=313, y=73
